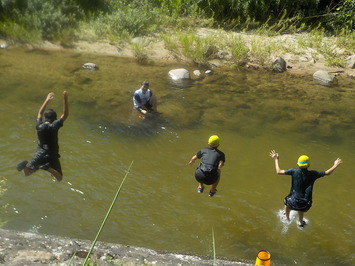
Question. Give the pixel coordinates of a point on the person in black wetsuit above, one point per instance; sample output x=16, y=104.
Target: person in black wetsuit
x=47, y=155
x=209, y=170
x=300, y=196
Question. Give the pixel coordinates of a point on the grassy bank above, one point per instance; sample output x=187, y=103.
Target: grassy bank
x=240, y=32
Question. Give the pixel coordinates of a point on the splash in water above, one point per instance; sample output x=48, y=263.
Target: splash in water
x=285, y=223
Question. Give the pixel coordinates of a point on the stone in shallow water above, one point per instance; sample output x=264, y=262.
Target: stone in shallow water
x=323, y=76
x=179, y=74
x=90, y=66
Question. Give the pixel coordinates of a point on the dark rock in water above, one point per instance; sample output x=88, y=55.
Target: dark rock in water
x=323, y=76
x=279, y=65
x=90, y=66
x=179, y=74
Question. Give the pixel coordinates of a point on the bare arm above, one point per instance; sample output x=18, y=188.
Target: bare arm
x=49, y=97
x=275, y=156
x=221, y=164
x=335, y=165
x=65, y=106
x=193, y=159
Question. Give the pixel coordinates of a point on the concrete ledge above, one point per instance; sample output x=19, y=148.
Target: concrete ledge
x=20, y=248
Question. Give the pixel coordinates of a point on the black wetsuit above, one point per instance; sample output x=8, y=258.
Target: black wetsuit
x=300, y=197
x=207, y=172
x=47, y=154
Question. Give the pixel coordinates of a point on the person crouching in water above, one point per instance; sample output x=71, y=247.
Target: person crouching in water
x=47, y=155
x=144, y=100
x=209, y=170
x=300, y=197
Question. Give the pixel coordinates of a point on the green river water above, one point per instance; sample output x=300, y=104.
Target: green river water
x=159, y=207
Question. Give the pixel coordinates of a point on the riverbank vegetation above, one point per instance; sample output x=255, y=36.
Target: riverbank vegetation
x=324, y=25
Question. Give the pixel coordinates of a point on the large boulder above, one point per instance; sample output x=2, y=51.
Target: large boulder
x=179, y=74
x=323, y=76
x=279, y=65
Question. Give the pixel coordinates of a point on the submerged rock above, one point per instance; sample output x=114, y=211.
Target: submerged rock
x=323, y=76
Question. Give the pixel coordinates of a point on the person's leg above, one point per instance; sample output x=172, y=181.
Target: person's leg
x=55, y=168
x=300, y=218
x=22, y=166
x=200, y=187
x=55, y=173
x=200, y=177
x=28, y=171
x=287, y=212
x=215, y=184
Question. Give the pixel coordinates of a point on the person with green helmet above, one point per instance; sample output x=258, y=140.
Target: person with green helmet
x=300, y=196
x=209, y=170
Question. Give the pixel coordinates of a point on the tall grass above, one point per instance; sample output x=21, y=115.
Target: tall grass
x=214, y=248
x=107, y=215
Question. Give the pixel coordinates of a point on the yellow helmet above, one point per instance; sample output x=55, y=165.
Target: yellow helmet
x=213, y=141
x=303, y=161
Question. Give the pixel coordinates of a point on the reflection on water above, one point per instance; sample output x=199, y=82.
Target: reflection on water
x=158, y=206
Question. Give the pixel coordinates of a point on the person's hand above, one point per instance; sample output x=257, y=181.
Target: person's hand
x=50, y=96
x=274, y=154
x=337, y=162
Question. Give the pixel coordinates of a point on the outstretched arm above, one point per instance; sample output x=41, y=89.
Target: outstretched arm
x=65, y=106
x=50, y=97
x=193, y=159
x=335, y=165
x=275, y=156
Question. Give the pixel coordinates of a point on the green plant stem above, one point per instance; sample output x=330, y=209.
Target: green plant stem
x=107, y=214
x=214, y=248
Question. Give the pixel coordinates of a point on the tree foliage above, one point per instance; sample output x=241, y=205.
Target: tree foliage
x=50, y=18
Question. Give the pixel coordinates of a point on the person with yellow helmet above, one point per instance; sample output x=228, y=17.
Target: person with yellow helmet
x=300, y=196
x=209, y=170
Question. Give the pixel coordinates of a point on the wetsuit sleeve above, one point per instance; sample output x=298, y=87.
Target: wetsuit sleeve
x=150, y=93
x=199, y=154
x=137, y=98
x=289, y=171
x=223, y=157
x=319, y=174
x=58, y=123
x=39, y=122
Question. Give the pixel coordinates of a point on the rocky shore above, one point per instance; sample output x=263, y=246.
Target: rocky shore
x=300, y=60
x=21, y=248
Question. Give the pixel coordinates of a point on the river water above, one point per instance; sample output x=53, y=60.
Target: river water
x=158, y=206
